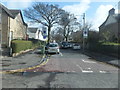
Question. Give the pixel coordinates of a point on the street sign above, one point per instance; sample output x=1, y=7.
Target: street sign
x=44, y=37
x=85, y=33
x=44, y=32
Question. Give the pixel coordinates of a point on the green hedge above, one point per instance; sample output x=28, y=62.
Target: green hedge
x=109, y=48
x=20, y=45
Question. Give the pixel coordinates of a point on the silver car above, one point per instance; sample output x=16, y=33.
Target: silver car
x=53, y=48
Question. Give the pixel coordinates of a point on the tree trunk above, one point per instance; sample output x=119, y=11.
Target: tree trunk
x=66, y=38
x=49, y=29
x=64, y=33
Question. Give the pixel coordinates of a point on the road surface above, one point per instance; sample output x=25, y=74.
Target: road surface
x=69, y=69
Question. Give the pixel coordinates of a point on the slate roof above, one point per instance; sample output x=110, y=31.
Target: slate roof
x=6, y=10
x=12, y=13
x=115, y=16
x=32, y=30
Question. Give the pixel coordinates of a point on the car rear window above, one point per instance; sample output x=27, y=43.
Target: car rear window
x=53, y=45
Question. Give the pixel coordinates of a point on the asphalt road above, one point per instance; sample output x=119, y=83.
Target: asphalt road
x=69, y=69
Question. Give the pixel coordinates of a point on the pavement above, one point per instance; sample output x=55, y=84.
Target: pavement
x=27, y=60
x=115, y=61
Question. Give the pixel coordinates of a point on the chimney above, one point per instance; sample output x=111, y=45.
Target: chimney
x=112, y=11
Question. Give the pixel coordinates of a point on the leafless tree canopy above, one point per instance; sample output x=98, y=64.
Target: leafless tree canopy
x=46, y=14
x=67, y=21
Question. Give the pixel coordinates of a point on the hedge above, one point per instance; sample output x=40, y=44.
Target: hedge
x=20, y=45
x=108, y=48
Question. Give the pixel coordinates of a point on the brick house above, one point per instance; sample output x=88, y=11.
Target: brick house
x=12, y=26
x=109, y=30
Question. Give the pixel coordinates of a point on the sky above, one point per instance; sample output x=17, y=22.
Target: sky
x=96, y=11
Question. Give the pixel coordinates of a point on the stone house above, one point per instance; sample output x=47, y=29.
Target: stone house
x=109, y=30
x=12, y=26
x=36, y=33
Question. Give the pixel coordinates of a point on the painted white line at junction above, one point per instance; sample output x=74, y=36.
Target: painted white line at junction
x=83, y=70
x=79, y=67
x=87, y=61
x=89, y=68
x=86, y=71
x=102, y=71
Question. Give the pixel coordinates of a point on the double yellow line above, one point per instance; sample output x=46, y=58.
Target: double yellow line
x=22, y=70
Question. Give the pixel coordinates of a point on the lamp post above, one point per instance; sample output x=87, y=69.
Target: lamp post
x=83, y=31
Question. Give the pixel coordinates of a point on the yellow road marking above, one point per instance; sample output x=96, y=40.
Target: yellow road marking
x=29, y=68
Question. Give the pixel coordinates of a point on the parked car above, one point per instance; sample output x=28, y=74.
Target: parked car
x=76, y=46
x=53, y=48
x=65, y=45
x=70, y=45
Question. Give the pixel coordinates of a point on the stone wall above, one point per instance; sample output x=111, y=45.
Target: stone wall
x=18, y=28
x=112, y=29
x=4, y=28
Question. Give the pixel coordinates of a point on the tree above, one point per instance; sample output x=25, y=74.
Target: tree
x=45, y=14
x=57, y=34
x=67, y=20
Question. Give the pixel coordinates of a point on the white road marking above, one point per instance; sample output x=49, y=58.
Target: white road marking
x=102, y=71
x=86, y=71
x=79, y=67
x=89, y=68
x=83, y=70
x=87, y=61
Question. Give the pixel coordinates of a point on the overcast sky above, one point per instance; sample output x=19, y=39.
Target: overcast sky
x=96, y=10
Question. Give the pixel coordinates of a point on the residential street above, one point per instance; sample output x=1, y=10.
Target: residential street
x=69, y=69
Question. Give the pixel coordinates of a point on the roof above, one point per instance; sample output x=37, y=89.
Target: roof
x=6, y=10
x=115, y=16
x=32, y=30
x=12, y=13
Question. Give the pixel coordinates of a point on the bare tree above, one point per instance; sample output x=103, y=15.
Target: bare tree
x=57, y=34
x=67, y=21
x=46, y=14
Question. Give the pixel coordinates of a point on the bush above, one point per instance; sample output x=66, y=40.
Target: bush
x=109, y=48
x=20, y=45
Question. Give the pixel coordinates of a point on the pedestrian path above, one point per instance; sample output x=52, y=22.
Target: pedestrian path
x=27, y=60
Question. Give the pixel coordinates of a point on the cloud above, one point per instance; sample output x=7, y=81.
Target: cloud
x=100, y=15
x=78, y=9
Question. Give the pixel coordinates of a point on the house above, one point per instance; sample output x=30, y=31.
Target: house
x=36, y=33
x=12, y=26
x=109, y=30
